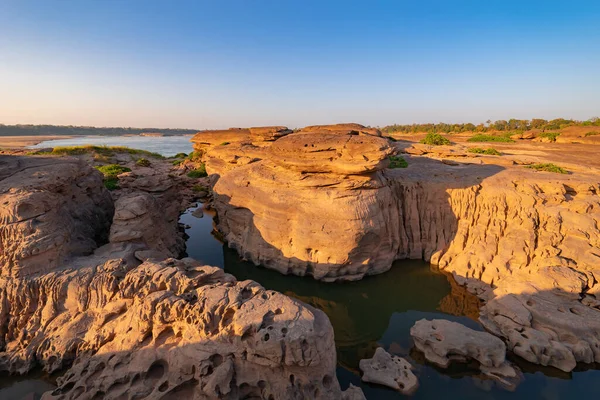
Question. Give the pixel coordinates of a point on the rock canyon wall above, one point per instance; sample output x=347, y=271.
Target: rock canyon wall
x=321, y=202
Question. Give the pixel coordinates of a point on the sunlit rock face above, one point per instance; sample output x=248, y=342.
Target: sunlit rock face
x=307, y=204
x=205, y=140
x=120, y=328
x=169, y=327
x=50, y=209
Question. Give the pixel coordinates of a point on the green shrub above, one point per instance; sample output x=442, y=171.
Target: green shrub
x=480, y=138
x=112, y=169
x=143, y=162
x=111, y=183
x=199, y=188
x=397, y=162
x=490, y=152
x=592, y=133
x=550, y=135
x=199, y=172
x=195, y=155
x=180, y=155
x=435, y=139
x=177, y=162
x=548, y=167
x=110, y=172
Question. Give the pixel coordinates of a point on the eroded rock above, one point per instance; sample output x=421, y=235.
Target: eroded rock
x=443, y=342
x=51, y=209
x=391, y=371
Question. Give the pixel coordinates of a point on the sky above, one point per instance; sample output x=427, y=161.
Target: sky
x=217, y=64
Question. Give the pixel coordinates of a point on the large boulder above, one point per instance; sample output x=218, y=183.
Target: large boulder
x=52, y=208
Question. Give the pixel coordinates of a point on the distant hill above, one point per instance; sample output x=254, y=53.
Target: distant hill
x=69, y=130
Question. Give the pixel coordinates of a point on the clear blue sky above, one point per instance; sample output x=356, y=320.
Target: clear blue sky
x=210, y=64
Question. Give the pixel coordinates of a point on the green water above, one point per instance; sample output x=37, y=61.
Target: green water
x=379, y=311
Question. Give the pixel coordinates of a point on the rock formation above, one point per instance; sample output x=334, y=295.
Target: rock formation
x=140, y=218
x=391, y=371
x=162, y=329
x=526, y=242
x=167, y=328
x=209, y=139
x=268, y=209
x=51, y=209
x=444, y=341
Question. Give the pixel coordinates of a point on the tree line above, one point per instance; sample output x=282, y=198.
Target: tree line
x=500, y=125
x=70, y=130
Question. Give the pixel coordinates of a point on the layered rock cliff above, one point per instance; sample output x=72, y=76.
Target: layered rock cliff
x=526, y=242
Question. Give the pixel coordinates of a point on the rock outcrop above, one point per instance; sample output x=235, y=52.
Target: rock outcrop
x=309, y=206
x=526, y=243
x=162, y=329
x=204, y=140
x=50, y=209
x=391, y=371
x=139, y=218
x=443, y=342
x=167, y=328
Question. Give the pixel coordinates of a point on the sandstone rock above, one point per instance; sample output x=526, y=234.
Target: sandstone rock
x=140, y=218
x=331, y=153
x=353, y=393
x=208, y=139
x=52, y=208
x=391, y=371
x=169, y=327
x=342, y=129
x=444, y=341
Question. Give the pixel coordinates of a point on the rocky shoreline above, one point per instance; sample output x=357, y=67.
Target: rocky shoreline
x=90, y=282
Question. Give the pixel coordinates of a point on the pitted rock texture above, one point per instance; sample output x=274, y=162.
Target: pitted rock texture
x=391, y=371
x=443, y=342
x=159, y=330
x=140, y=218
x=49, y=209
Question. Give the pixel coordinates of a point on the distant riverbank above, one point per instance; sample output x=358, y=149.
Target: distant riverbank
x=25, y=141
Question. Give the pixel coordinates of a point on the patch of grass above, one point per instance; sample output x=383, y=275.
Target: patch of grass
x=177, y=162
x=224, y=144
x=550, y=135
x=490, y=152
x=480, y=138
x=592, y=133
x=435, y=139
x=143, y=162
x=397, y=162
x=195, y=155
x=548, y=167
x=180, y=155
x=102, y=150
x=111, y=183
x=110, y=172
x=199, y=188
x=112, y=169
x=199, y=172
